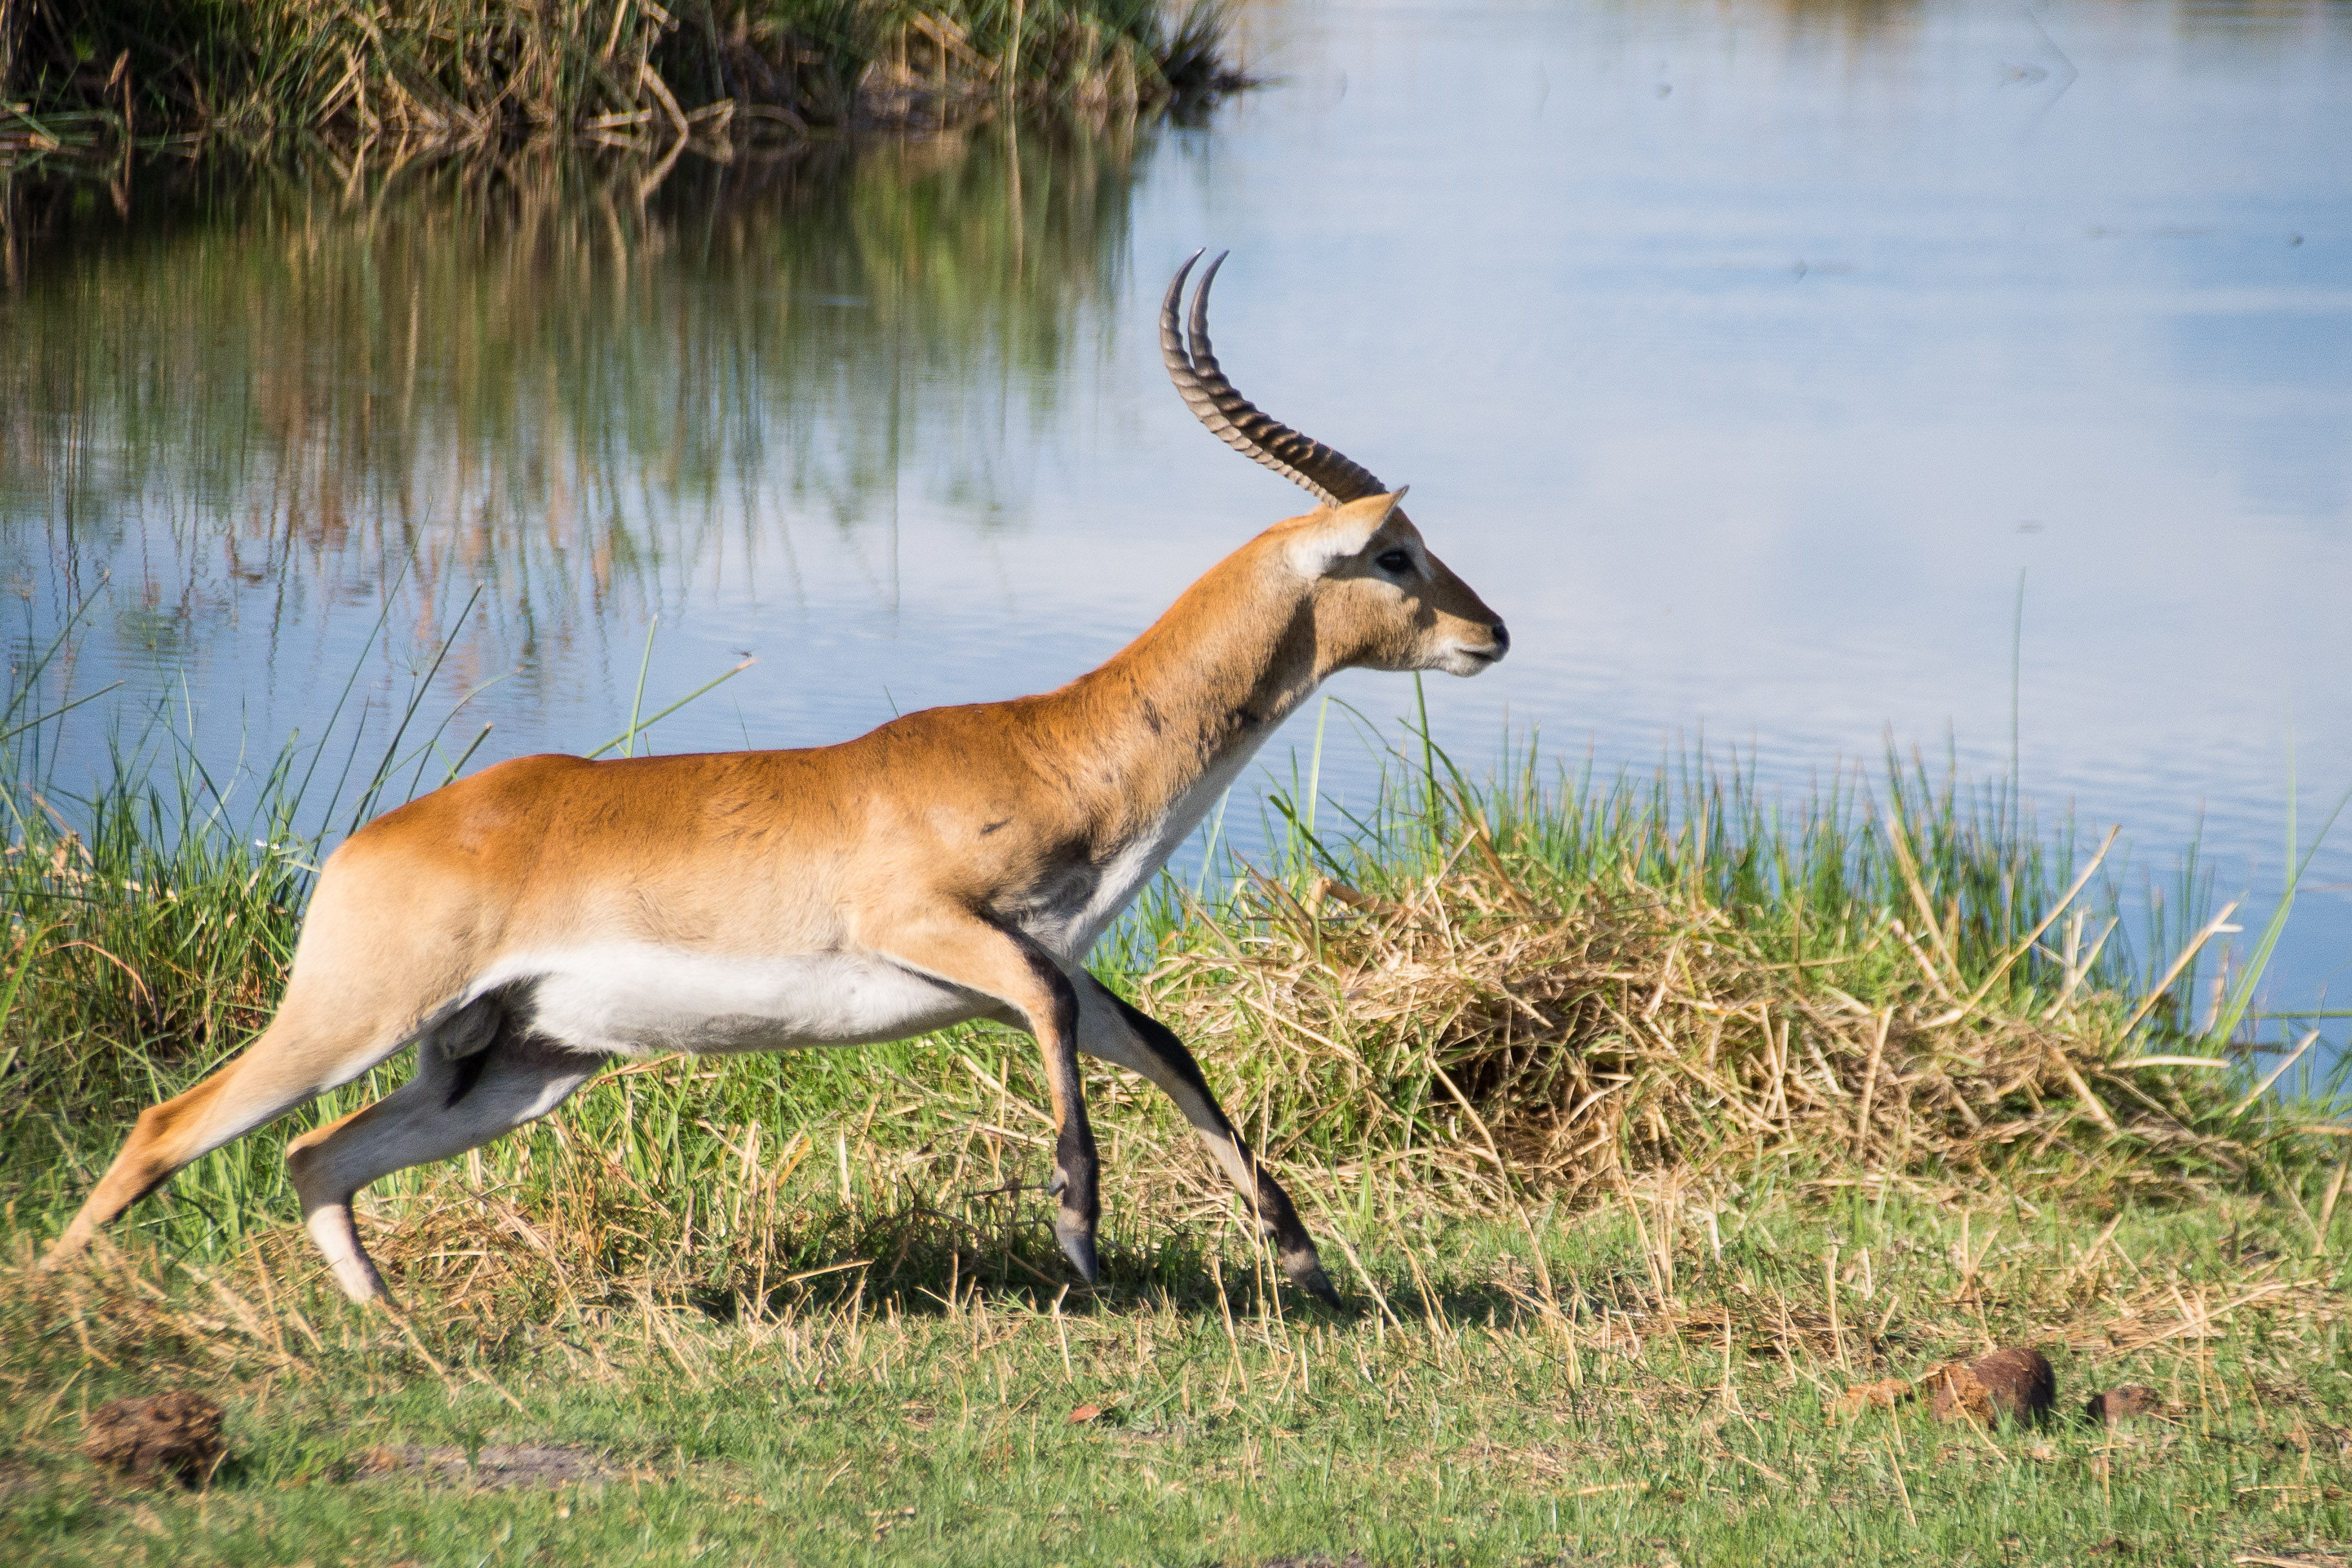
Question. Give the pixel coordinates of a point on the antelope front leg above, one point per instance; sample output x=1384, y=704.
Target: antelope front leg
x=1077, y=1172
x=980, y=955
x=1126, y=1036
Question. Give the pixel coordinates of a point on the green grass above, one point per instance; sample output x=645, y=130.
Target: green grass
x=1468, y=1422
x=1637, y=1118
x=483, y=71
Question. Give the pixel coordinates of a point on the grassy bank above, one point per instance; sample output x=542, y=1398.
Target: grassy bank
x=1638, y=1119
x=1475, y=1412
x=480, y=70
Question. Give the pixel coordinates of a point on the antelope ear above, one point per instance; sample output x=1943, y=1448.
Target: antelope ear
x=1342, y=534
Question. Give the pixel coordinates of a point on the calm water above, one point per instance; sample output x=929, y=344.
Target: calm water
x=1748, y=356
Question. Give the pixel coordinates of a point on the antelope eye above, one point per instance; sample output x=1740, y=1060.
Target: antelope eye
x=1395, y=560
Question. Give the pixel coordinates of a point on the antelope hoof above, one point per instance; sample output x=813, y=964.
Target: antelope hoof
x=360, y=1281
x=65, y=1247
x=1077, y=1239
x=331, y=1227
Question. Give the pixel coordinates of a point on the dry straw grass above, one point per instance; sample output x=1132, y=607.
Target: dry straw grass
x=435, y=72
x=1568, y=1038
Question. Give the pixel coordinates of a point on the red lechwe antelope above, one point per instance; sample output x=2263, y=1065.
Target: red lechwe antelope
x=523, y=924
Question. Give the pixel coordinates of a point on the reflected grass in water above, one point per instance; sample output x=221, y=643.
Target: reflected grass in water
x=309, y=379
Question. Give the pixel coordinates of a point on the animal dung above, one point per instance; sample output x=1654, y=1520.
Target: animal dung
x=2019, y=1382
x=1959, y=1396
x=2012, y=1381
x=175, y=1435
x=1884, y=1394
x=2120, y=1405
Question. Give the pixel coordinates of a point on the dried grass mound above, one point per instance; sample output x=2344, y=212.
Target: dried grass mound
x=1571, y=1035
x=174, y=1435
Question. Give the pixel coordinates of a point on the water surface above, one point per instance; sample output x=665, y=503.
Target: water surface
x=1756, y=360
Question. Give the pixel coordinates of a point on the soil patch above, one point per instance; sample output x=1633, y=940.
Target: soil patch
x=174, y=1435
x=492, y=1468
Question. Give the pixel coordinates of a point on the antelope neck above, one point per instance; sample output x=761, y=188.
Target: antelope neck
x=1175, y=714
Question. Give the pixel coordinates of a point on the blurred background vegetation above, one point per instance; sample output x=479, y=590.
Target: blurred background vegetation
x=486, y=70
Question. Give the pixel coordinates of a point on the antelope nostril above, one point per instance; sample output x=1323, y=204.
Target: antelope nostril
x=1502, y=638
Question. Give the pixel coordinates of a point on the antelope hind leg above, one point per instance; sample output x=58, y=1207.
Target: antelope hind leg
x=463, y=1095
x=1122, y=1035
x=305, y=1051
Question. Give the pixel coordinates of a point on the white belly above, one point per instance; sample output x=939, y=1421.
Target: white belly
x=634, y=999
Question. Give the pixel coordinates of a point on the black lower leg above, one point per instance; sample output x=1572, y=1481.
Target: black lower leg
x=1077, y=1171
x=1079, y=1191
x=1277, y=1217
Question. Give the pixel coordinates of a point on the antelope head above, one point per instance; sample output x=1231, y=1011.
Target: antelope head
x=1379, y=598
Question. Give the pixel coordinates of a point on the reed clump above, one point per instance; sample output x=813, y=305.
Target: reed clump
x=1563, y=1036
x=426, y=71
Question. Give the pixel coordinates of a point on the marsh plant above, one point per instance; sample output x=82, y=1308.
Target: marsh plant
x=477, y=71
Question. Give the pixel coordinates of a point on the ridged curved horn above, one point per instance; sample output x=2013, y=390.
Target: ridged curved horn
x=1233, y=418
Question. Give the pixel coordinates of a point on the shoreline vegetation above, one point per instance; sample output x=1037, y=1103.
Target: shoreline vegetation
x=83, y=75
x=1538, y=981
x=1645, y=1122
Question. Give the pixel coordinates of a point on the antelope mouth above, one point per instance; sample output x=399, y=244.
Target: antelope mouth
x=1492, y=653
x=1463, y=660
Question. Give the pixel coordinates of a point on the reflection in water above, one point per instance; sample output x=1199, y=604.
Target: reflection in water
x=290, y=390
